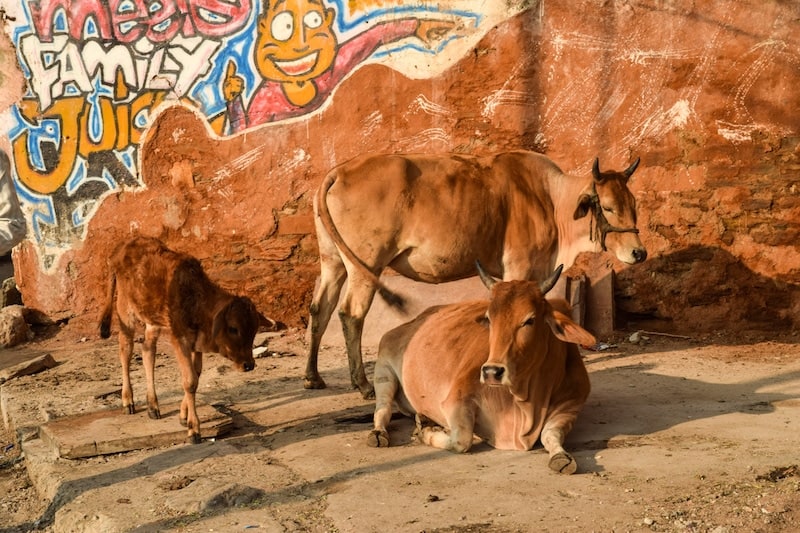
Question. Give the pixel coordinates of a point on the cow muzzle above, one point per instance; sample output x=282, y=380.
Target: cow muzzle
x=631, y=256
x=243, y=365
x=493, y=375
x=639, y=254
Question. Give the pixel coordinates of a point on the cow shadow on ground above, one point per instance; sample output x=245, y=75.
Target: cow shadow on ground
x=628, y=403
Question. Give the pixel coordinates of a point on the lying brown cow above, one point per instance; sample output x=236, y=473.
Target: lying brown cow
x=161, y=289
x=519, y=381
x=429, y=217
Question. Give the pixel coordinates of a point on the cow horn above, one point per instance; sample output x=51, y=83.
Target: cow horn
x=550, y=282
x=487, y=280
x=596, y=169
x=627, y=172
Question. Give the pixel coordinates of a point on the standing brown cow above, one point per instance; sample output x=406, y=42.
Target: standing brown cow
x=430, y=217
x=163, y=289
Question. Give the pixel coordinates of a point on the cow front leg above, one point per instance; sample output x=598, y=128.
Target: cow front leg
x=149, y=363
x=197, y=365
x=386, y=387
x=379, y=437
x=312, y=378
x=561, y=461
x=125, y=355
x=189, y=380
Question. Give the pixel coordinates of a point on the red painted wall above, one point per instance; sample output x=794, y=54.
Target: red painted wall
x=704, y=93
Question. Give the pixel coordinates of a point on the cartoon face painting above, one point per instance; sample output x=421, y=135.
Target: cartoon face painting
x=300, y=59
x=296, y=42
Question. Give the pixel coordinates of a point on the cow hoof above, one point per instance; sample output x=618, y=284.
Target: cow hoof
x=155, y=414
x=129, y=409
x=368, y=394
x=194, y=438
x=421, y=422
x=378, y=439
x=563, y=463
x=314, y=383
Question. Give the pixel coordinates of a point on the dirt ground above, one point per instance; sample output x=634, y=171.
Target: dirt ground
x=696, y=435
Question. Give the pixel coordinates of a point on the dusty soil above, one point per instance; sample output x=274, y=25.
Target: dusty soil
x=697, y=435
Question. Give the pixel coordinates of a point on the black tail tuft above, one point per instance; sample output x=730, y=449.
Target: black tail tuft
x=393, y=299
x=105, y=327
x=108, y=309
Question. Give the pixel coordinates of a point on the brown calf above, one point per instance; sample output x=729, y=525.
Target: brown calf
x=163, y=289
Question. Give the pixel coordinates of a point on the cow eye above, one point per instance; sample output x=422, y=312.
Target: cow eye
x=232, y=330
x=608, y=210
x=530, y=321
x=483, y=321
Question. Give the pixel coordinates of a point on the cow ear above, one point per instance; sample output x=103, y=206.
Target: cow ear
x=219, y=323
x=568, y=331
x=584, y=204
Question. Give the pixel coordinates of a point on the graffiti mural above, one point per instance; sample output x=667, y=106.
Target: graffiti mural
x=300, y=60
x=97, y=69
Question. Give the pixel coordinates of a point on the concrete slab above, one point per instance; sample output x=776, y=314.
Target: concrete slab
x=172, y=480
x=106, y=432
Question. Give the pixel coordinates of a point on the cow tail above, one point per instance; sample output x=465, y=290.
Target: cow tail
x=389, y=296
x=105, y=317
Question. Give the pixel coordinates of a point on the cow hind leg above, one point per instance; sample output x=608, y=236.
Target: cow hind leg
x=322, y=306
x=457, y=439
x=149, y=363
x=353, y=328
x=189, y=378
x=125, y=355
x=560, y=461
x=357, y=301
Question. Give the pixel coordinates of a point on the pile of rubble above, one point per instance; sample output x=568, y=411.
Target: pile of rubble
x=16, y=319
